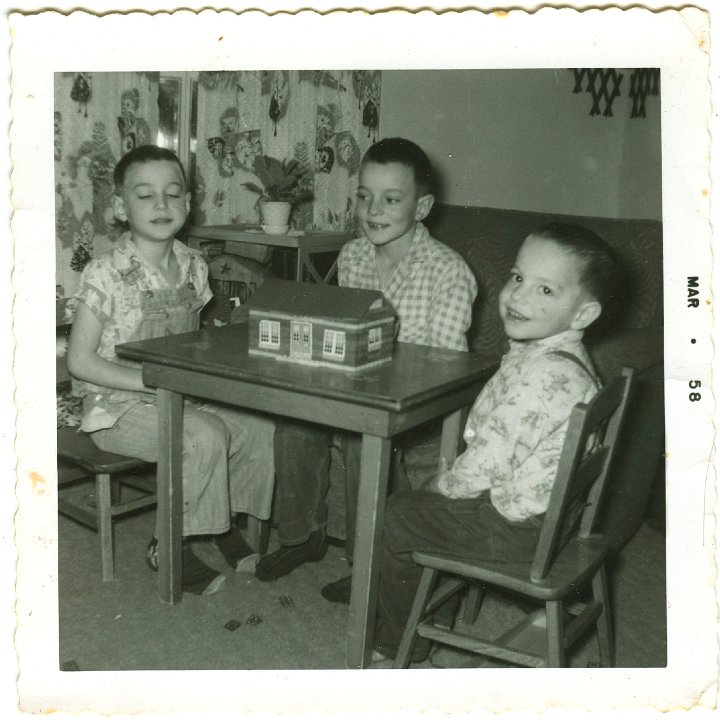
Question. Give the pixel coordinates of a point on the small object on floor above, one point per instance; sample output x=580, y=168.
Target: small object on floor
x=286, y=601
x=338, y=591
x=289, y=557
x=232, y=625
x=69, y=666
x=253, y=620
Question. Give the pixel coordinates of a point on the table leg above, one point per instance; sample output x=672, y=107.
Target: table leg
x=374, y=466
x=169, y=495
x=300, y=265
x=453, y=427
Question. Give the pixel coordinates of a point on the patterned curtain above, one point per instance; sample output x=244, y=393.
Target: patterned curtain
x=324, y=119
x=98, y=117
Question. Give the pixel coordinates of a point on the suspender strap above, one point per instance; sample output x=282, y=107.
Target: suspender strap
x=577, y=361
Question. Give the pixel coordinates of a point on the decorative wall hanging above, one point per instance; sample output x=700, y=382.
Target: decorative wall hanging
x=134, y=130
x=81, y=91
x=605, y=84
x=366, y=84
x=643, y=82
x=275, y=83
x=602, y=84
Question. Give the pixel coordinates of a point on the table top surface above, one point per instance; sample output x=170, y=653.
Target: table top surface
x=254, y=234
x=415, y=375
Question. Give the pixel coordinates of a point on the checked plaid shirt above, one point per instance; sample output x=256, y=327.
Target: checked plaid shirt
x=432, y=290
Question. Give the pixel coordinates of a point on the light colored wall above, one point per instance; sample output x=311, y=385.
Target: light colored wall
x=520, y=139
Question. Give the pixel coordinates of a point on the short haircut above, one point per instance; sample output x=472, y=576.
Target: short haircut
x=143, y=154
x=405, y=152
x=599, y=276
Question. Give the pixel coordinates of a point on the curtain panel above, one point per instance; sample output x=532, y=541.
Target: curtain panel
x=324, y=119
x=98, y=118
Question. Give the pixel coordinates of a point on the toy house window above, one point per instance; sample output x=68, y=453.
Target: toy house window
x=269, y=334
x=374, y=338
x=334, y=344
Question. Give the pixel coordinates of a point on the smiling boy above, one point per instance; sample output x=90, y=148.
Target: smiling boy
x=432, y=291
x=489, y=505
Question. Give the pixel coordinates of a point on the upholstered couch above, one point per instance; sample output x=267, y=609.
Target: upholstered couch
x=488, y=239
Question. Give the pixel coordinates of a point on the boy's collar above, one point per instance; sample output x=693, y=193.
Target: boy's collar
x=543, y=344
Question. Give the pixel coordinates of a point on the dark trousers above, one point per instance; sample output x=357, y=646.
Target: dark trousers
x=302, y=463
x=430, y=522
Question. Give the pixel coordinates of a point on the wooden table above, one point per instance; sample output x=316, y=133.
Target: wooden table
x=420, y=384
x=307, y=246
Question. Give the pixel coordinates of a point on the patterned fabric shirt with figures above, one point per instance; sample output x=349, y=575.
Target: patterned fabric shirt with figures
x=516, y=427
x=432, y=290
x=133, y=301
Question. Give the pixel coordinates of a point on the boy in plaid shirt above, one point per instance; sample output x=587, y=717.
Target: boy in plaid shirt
x=432, y=291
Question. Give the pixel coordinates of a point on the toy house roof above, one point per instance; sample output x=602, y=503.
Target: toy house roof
x=318, y=301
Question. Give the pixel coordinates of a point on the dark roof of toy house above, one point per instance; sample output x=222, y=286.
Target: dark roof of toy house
x=315, y=300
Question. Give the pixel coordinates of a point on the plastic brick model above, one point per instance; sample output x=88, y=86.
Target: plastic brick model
x=317, y=324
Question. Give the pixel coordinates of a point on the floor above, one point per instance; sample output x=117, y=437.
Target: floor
x=286, y=624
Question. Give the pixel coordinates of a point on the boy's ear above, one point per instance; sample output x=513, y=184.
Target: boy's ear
x=588, y=313
x=188, y=197
x=424, y=206
x=119, y=208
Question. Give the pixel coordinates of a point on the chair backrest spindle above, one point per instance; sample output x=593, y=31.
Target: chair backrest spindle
x=582, y=474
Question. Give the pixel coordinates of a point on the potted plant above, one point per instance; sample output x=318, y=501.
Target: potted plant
x=281, y=188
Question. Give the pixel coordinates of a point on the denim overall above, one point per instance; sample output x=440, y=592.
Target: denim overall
x=228, y=463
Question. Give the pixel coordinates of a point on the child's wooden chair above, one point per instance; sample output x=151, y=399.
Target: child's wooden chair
x=560, y=565
x=82, y=458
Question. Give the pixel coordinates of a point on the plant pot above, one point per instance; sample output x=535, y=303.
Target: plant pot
x=275, y=213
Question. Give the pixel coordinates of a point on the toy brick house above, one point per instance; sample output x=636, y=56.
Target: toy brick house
x=317, y=324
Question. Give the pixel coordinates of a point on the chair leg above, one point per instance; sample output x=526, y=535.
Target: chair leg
x=555, y=635
x=425, y=588
x=604, y=621
x=473, y=601
x=104, y=524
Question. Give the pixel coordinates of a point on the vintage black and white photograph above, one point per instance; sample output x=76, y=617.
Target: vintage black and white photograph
x=363, y=366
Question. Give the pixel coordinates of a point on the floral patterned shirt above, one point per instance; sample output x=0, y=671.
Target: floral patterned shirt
x=432, y=289
x=516, y=427
x=118, y=287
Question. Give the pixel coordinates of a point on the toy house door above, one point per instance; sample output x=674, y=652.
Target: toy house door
x=301, y=340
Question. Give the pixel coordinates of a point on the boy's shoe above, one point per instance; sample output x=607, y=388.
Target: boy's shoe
x=289, y=557
x=197, y=577
x=338, y=591
x=237, y=553
x=378, y=661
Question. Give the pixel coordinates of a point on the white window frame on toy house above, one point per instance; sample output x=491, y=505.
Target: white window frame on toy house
x=374, y=338
x=269, y=334
x=334, y=344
